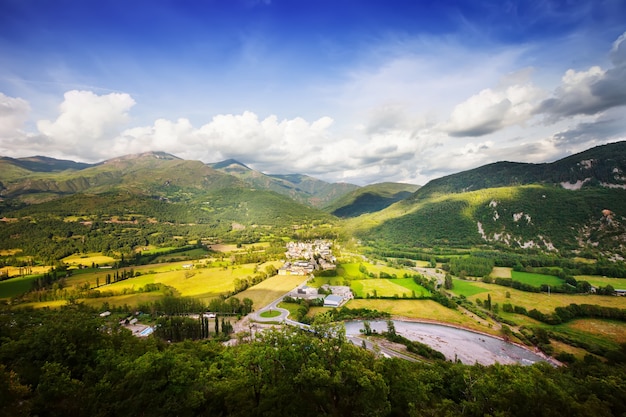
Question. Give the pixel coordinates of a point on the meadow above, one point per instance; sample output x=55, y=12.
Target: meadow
x=400, y=287
x=536, y=280
x=271, y=289
x=617, y=283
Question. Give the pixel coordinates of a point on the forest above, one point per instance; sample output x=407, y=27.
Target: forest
x=71, y=362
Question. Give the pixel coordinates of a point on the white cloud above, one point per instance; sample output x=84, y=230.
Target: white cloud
x=13, y=114
x=87, y=122
x=592, y=91
x=494, y=109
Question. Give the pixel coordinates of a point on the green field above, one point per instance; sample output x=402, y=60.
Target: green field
x=536, y=280
x=546, y=303
x=403, y=287
x=466, y=288
x=270, y=313
x=617, y=283
x=16, y=286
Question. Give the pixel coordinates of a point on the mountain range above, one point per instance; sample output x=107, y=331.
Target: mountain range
x=573, y=205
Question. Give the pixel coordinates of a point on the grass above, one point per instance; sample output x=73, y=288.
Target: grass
x=272, y=288
x=542, y=301
x=422, y=309
x=501, y=272
x=536, y=280
x=14, y=271
x=605, y=329
x=16, y=286
x=292, y=307
x=270, y=313
x=88, y=259
x=388, y=287
x=466, y=288
x=617, y=283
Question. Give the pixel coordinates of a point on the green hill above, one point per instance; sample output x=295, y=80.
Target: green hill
x=600, y=166
x=572, y=205
x=302, y=188
x=152, y=174
x=370, y=198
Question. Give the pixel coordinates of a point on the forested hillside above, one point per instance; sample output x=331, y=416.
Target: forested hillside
x=600, y=166
x=370, y=198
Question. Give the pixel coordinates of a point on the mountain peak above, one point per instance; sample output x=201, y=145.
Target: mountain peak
x=230, y=165
x=144, y=155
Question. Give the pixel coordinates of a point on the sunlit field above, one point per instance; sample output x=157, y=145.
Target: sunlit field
x=88, y=260
x=401, y=288
x=421, y=309
x=271, y=289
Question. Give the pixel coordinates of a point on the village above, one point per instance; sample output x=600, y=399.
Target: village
x=303, y=258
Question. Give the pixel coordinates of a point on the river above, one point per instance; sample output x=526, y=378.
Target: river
x=456, y=344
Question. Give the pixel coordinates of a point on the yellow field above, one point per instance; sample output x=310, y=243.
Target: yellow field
x=542, y=301
x=617, y=283
x=14, y=271
x=269, y=290
x=612, y=330
x=422, y=309
x=201, y=283
x=501, y=272
x=9, y=252
x=225, y=248
x=88, y=259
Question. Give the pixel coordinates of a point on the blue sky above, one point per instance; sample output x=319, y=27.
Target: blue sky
x=343, y=90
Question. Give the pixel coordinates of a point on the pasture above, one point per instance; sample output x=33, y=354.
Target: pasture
x=401, y=288
x=617, y=283
x=13, y=287
x=466, y=288
x=87, y=260
x=544, y=302
x=536, y=280
x=271, y=289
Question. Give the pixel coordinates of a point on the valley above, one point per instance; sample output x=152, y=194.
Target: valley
x=193, y=251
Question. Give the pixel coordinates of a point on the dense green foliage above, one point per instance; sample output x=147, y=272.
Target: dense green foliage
x=370, y=199
x=70, y=362
x=605, y=160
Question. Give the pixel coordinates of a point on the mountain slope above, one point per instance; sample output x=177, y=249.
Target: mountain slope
x=575, y=204
x=302, y=188
x=603, y=165
x=155, y=174
x=370, y=198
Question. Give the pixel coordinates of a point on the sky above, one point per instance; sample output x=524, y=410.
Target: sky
x=343, y=90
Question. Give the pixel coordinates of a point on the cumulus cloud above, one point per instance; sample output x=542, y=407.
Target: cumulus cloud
x=592, y=91
x=13, y=114
x=493, y=109
x=86, y=119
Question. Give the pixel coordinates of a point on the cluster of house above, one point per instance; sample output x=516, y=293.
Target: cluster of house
x=305, y=257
